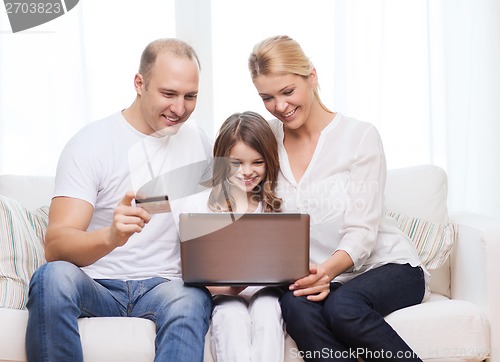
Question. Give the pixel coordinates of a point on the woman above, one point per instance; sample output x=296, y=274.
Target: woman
x=333, y=167
x=246, y=322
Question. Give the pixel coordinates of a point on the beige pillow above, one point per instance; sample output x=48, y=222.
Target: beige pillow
x=21, y=250
x=433, y=241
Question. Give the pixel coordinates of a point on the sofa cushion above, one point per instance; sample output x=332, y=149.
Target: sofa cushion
x=433, y=241
x=421, y=192
x=21, y=250
x=418, y=191
x=443, y=329
x=12, y=334
x=438, y=330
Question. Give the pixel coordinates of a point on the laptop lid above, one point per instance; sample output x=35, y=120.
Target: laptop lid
x=244, y=249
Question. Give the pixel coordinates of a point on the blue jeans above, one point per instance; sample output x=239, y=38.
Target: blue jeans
x=60, y=293
x=350, y=323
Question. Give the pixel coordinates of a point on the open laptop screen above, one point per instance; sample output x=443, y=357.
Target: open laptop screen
x=244, y=249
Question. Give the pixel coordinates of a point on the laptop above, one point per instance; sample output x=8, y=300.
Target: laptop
x=244, y=249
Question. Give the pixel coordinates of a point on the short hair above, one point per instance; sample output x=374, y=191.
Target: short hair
x=173, y=46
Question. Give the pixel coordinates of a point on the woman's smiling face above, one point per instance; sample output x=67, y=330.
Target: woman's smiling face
x=287, y=97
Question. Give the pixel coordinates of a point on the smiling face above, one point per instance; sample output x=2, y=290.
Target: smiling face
x=288, y=97
x=168, y=97
x=248, y=167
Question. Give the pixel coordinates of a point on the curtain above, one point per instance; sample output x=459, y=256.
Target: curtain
x=472, y=104
x=426, y=73
x=64, y=74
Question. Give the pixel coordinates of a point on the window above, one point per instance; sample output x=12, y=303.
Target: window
x=68, y=72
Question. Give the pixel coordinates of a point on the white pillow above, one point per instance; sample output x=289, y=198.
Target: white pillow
x=21, y=250
x=433, y=241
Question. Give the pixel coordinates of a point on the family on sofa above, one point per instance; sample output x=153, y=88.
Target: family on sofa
x=108, y=258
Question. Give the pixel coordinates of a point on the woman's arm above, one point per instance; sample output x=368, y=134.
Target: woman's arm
x=362, y=216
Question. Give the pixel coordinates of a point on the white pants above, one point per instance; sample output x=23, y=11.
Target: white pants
x=248, y=327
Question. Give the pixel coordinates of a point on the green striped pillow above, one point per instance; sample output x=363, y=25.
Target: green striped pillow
x=21, y=250
x=433, y=241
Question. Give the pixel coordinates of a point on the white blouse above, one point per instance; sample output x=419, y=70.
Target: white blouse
x=342, y=190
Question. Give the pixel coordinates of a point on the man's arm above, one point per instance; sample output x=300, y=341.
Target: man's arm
x=67, y=237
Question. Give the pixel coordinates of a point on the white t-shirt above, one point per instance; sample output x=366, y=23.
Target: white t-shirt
x=109, y=157
x=342, y=190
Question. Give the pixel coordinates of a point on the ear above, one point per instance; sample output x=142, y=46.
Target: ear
x=313, y=77
x=139, y=83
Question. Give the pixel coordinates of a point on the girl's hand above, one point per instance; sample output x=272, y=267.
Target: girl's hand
x=316, y=285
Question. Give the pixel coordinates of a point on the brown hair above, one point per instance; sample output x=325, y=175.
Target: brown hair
x=173, y=46
x=252, y=129
x=280, y=55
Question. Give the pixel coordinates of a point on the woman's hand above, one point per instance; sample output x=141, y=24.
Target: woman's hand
x=316, y=286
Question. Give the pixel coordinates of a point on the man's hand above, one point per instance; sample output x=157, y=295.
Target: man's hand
x=127, y=220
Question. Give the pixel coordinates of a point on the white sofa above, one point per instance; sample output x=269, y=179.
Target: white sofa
x=459, y=322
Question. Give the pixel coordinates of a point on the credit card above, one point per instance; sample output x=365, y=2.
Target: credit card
x=154, y=204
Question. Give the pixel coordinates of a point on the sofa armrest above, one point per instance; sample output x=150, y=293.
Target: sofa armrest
x=475, y=268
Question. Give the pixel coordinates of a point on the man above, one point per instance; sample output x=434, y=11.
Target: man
x=106, y=256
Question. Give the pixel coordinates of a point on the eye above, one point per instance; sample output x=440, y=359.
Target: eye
x=259, y=162
x=288, y=92
x=266, y=98
x=168, y=94
x=191, y=96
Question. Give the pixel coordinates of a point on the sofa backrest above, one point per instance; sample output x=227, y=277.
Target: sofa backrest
x=417, y=191
x=30, y=191
x=422, y=192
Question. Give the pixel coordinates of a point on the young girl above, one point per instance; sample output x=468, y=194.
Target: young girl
x=246, y=322
x=333, y=168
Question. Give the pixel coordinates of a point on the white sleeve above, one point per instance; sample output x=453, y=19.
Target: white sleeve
x=77, y=172
x=366, y=188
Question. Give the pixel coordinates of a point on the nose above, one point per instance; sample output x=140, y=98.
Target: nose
x=281, y=105
x=246, y=170
x=178, y=106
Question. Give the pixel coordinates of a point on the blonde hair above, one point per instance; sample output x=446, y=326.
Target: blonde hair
x=281, y=55
x=173, y=46
x=253, y=130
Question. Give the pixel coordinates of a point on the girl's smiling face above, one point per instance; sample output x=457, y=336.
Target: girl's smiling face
x=248, y=167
